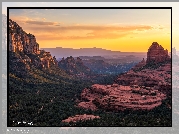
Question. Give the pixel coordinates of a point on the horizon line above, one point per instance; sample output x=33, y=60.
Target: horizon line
x=92, y=48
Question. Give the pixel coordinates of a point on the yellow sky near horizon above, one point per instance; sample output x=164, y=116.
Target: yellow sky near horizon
x=117, y=30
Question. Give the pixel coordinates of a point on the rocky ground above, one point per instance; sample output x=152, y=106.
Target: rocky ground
x=159, y=78
x=117, y=97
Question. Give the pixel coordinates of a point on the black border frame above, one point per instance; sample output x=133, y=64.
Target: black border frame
x=77, y=8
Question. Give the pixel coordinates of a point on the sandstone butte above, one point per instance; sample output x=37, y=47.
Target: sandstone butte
x=135, y=90
x=156, y=53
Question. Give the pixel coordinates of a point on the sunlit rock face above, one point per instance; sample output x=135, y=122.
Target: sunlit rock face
x=118, y=98
x=156, y=53
x=20, y=41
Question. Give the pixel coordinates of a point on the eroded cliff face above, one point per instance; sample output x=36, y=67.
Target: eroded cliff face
x=27, y=49
x=20, y=41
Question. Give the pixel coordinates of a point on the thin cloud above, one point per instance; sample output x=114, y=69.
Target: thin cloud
x=40, y=22
x=86, y=27
x=80, y=37
x=92, y=32
x=76, y=32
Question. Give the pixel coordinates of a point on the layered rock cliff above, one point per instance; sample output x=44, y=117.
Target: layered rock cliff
x=156, y=54
x=27, y=49
x=20, y=41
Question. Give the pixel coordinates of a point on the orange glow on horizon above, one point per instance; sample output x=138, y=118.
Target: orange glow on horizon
x=116, y=36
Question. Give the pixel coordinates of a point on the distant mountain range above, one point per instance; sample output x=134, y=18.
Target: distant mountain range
x=60, y=52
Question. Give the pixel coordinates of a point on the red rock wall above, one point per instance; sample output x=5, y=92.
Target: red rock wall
x=20, y=40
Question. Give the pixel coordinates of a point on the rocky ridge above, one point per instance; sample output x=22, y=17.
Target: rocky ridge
x=139, y=65
x=74, y=66
x=141, y=88
x=159, y=78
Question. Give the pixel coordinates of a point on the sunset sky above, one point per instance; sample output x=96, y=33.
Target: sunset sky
x=126, y=30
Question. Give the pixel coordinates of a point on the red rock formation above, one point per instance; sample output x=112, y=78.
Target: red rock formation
x=138, y=90
x=74, y=66
x=87, y=105
x=139, y=65
x=19, y=40
x=80, y=117
x=156, y=53
x=148, y=77
x=120, y=97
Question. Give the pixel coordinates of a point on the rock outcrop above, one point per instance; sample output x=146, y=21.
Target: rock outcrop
x=77, y=118
x=20, y=41
x=141, y=88
x=27, y=49
x=143, y=77
x=139, y=65
x=74, y=66
x=117, y=97
x=156, y=54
